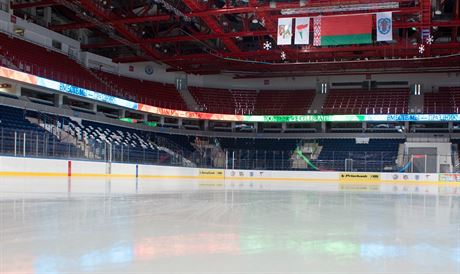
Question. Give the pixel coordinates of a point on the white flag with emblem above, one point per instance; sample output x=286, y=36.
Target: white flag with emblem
x=384, y=25
x=302, y=31
x=284, y=31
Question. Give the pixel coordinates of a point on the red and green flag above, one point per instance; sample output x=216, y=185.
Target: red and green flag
x=342, y=30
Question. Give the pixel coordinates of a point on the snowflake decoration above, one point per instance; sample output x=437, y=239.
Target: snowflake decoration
x=267, y=45
x=430, y=40
x=283, y=55
x=421, y=49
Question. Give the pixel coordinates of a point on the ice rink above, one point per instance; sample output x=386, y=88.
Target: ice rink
x=56, y=225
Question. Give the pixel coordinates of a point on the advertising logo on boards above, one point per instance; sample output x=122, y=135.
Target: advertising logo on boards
x=359, y=177
x=211, y=173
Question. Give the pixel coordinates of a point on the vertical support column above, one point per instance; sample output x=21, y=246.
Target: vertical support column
x=206, y=125
x=180, y=122
x=47, y=16
x=58, y=100
x=364, y=126
x=146, y=117
x=283, y=127
x=323, y=127
x=18, y=90
x=162, y=121
x=6, y=4
x=121, y=113
x=33, y=12
x=94, y=107
x=233, y=126
x=256, y=127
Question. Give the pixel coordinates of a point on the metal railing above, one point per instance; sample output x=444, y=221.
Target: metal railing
x=43, y=144
x=46, y=144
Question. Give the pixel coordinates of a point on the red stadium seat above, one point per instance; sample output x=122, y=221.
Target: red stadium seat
x=366, y=102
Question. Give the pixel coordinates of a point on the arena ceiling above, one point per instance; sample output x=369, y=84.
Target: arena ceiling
x=216, y=36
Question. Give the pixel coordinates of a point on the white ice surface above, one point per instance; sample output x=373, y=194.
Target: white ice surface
x=53, y=225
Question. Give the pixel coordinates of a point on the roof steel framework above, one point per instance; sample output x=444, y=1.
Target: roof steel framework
x=227, y=35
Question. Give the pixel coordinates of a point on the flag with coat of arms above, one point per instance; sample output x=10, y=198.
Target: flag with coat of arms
x=384, y=26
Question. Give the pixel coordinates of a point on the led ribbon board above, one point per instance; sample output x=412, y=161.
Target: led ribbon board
x=354, y=118
x=100, y=97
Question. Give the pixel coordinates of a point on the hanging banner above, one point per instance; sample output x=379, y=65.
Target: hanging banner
x=284, y=31
x=302, y=31
x=424, y=34
x=342, y=30
x=384, y=25
x=317, y=31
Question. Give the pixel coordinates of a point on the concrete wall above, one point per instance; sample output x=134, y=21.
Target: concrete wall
x=37, y=34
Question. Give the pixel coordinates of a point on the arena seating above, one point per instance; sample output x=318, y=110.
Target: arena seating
x=147, y=92
x=366, y=102
x=272, y=102
x=49, y=64
x=53, y=65
x=224, y=100
x=129, y=145
x=259, y=153
x=38, y=142
x=182, y=142
x=374, y=156
x=264, y=102
x=446, y=100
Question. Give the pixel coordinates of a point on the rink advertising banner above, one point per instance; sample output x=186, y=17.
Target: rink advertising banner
x=211, y=173
x=284, y=35
x=449, y=177
x=359, y=177
x=384, y=26
x=342, y=30
x=302, y=31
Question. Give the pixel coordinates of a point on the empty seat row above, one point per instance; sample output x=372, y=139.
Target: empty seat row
x=366, y=102
x=446, y=100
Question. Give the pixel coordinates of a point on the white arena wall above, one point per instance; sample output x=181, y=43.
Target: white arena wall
x=36, y=167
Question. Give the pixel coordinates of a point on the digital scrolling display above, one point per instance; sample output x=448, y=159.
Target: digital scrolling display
x=316, y=118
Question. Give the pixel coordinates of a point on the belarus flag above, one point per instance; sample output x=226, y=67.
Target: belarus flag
x=342, y=30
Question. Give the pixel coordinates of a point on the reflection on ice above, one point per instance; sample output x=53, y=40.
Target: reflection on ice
x=81, y=225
